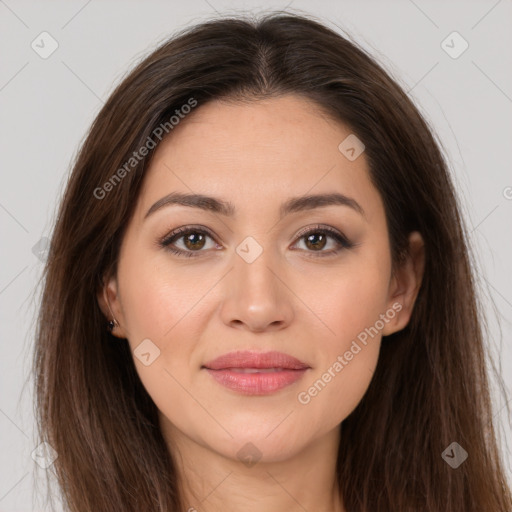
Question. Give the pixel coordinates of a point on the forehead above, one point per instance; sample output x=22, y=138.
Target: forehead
x=255, y=154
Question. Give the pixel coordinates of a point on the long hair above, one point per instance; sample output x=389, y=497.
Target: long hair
x=430, y=386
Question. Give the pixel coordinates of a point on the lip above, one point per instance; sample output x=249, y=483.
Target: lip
x=256, y=373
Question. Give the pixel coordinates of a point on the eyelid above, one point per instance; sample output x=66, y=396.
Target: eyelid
x=320, y=227
x=175, y=233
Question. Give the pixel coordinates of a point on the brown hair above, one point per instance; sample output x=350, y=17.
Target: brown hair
x=430, y=387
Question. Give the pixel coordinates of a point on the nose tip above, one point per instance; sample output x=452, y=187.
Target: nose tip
x=254, y=297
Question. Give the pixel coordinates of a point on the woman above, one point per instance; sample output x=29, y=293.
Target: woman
x=258, y=294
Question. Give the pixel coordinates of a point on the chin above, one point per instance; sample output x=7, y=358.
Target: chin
x=251, y=445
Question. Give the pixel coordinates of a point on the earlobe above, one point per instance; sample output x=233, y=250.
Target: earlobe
x=108, y=301
x=405, y=284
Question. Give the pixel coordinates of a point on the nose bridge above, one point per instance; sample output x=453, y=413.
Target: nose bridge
x=253, y=263
x=255, y=295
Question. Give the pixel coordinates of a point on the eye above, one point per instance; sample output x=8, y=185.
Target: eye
x=316, y=239
x=193, y=240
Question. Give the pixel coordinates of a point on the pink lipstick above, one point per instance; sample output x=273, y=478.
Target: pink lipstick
x=256, y=373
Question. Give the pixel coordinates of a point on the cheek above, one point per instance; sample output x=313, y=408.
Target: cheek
x=347, y=361
x=352, y=309
x=158, y=305
x=335, y=390
x=156, y=297
x=352, y=299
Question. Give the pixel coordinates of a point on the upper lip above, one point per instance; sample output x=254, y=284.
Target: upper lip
x=248, y=359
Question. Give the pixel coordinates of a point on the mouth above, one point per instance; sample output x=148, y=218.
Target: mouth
x=255, y=370
x=256, y=373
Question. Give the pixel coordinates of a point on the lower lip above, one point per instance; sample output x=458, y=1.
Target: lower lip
x=256, y=383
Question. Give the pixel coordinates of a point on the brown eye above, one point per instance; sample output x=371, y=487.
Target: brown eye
x=188, y=241
x=194, y=241
x=316, y=241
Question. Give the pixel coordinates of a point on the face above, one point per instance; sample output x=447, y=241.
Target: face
x=308, y=281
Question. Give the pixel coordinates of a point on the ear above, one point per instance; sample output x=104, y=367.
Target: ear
x=110, y=305
x=405, y=284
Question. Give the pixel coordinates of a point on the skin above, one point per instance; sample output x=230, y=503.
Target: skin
x=256, y=155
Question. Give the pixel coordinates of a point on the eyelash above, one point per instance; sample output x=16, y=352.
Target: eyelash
x=175, y=235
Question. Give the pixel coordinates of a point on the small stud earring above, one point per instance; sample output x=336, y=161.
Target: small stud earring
x=112, y=324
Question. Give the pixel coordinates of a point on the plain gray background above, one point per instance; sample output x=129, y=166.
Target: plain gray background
x=48, y=104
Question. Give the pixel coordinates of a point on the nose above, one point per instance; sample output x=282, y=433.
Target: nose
x=256, y=296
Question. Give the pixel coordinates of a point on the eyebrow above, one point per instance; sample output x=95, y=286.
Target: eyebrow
x=226, y=208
